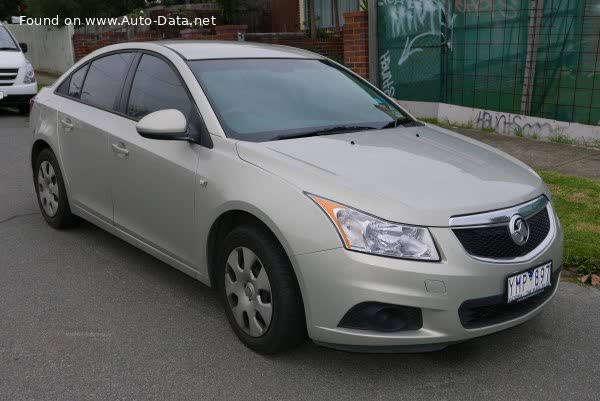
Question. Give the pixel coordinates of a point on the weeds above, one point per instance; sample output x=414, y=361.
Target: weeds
x=519, y=131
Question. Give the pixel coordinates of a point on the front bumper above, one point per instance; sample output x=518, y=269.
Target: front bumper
x=17, y=94
x=333, y=281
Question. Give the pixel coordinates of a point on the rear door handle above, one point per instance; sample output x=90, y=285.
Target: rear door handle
x=68, y=126
x=119, y=148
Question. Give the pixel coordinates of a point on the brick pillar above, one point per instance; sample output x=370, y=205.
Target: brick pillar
x=356, y=42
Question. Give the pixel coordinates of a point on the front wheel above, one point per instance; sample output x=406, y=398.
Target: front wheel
x=259, y=290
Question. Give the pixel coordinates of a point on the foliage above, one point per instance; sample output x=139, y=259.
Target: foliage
x=320, y=33
x=230, y=10
x=364, y=5
x=577, y=203
x=8, y=8
x=81, y=8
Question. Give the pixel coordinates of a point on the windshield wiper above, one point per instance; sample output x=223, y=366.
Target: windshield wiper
x=324, y=131
x=397, y=122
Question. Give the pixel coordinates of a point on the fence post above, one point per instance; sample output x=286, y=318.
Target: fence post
x=373, y=56
x=533, y=39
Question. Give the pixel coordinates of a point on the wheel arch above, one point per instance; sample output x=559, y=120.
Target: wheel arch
x=36, y=149
x=237, y=213
x=234, y=217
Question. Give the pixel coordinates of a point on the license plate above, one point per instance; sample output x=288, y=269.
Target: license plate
x=528, y=283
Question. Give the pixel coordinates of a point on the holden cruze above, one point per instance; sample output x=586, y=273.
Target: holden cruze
x=310, y=200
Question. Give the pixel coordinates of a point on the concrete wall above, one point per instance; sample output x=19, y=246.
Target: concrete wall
x=50, y=48
x=501, y=122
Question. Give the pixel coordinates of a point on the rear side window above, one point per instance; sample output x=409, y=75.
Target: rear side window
x=72, y=87
x=104, y=80
x=156, y=87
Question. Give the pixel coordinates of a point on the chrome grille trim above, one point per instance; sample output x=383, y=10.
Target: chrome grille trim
x=502, y=216
x=529, y=209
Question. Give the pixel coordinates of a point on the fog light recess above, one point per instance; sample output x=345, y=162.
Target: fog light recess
x=376, y=316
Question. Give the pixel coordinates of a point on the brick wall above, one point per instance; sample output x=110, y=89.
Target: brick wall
x=331, y=46
x=356, y=42
x=351, y=46
x=83, y=44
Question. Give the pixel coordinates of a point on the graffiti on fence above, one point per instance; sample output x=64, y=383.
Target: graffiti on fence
x=508, y=9
x=421, y=18
x=507, y=123
x=387, y=79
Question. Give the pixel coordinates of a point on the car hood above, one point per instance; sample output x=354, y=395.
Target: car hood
x=10, y=59
x=420, y=175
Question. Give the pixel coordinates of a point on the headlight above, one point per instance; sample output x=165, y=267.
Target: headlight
x=29, y=74
x=365, y=233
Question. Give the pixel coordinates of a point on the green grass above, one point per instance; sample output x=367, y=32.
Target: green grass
x=40, y=86
x=560, y=137
x=577, y=203
x=430, y=120
x=519, y=132
x=452, y=124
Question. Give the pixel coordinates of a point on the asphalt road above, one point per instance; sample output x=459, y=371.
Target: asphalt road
x=85, y=316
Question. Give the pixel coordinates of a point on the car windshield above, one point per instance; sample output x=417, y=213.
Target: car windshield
x=6, y=41
x=266, y=99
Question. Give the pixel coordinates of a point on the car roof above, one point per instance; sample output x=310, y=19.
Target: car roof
x=213, y=49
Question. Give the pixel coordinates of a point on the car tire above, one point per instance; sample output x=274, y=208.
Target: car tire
x=51, y=192
x=249, y=254
x=24, y=109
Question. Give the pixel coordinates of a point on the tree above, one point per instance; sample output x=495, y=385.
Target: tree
x=8, y=8
x=81, y=8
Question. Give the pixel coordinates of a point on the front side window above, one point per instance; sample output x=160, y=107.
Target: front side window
x=266, y=99
x=6, y=41
x=104, y=80
x=156, y=87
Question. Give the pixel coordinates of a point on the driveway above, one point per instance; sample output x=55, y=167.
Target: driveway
x=85, y=316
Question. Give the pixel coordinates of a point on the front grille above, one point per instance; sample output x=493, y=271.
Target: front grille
x=495, y=242
x=6, y=83
x=482, y=312
x=8, y=74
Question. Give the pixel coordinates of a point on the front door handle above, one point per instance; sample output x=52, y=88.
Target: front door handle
x=119, y=148
x=68, y=126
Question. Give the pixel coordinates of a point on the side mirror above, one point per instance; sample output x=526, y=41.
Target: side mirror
x=23, y=47
x=163, y=124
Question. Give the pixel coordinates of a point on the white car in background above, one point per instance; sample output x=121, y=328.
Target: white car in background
x=17, y=78
x=308, y=198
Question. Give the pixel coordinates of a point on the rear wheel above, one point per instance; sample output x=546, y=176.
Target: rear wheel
x=259, y=290
x=51, y=192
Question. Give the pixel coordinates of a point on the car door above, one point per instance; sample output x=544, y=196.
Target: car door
x=153, y=181
x=86, y=107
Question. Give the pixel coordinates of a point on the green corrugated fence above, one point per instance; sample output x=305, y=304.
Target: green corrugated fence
x=538, y=57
